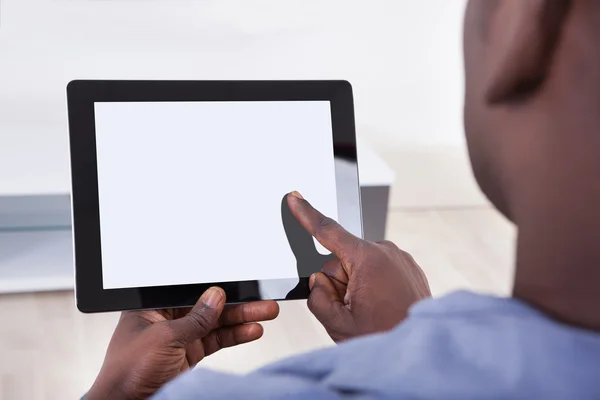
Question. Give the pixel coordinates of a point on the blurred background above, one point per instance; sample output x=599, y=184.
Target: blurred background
x=403, y=58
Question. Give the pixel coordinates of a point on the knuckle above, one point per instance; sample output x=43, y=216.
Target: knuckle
x=318, y=305
x=325, y=223
x=165, y=333
x=387, y=244
x=313, y=303
x=356, y=249
x=202, y=319
x=328, y=314
x=219, y=339
x=357, y=245
x=247, y=314
x=391, y=248
x=408, y=257
x=325, y=228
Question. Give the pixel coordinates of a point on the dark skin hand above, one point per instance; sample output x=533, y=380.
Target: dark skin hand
x=368, y=288
x=150, y=348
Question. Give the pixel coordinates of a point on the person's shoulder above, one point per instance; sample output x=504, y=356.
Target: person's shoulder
x=463, y=310
x=463, y=345
x=466, y=303
x=498, y=345
x=467, y=345
x=497, y=324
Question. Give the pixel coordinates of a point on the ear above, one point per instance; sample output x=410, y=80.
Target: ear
x=522, y=38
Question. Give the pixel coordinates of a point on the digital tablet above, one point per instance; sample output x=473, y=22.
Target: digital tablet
x=180, y=185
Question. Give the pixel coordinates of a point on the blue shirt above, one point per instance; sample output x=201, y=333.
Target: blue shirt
x=462, y=346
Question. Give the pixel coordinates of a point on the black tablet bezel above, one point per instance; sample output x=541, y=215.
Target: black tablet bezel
x=82, y=94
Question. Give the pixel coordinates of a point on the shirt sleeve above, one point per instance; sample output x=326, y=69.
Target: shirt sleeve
x=204, y=384
x=333, y=373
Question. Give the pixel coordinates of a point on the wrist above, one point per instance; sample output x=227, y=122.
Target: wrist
x=97, y=393
x=107, y=389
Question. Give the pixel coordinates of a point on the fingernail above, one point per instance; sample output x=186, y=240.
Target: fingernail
x=311, y=281
x=212, y=297
x=297, y=195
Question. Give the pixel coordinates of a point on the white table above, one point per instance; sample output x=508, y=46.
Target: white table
x=36, y=251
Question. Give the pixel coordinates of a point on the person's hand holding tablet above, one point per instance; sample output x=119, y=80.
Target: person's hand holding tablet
x=151, y=347
x=367, y=288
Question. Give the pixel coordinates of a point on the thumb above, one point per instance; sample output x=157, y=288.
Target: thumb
x=203, y=318
x=324, y=301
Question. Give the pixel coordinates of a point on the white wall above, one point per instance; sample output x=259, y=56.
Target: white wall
x=402, y=56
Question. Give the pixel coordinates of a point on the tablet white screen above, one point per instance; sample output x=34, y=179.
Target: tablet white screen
x=190, y=192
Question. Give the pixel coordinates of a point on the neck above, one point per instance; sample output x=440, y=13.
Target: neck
x=557, y=204
x=558, y=253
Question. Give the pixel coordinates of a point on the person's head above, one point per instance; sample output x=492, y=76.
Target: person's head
x=532, y=102
x=532, y=121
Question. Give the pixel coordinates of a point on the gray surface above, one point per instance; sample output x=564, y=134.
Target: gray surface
x=31, y=212
x=36, y=260
x=348, y=196
x=51, y=211
x=375, y=200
